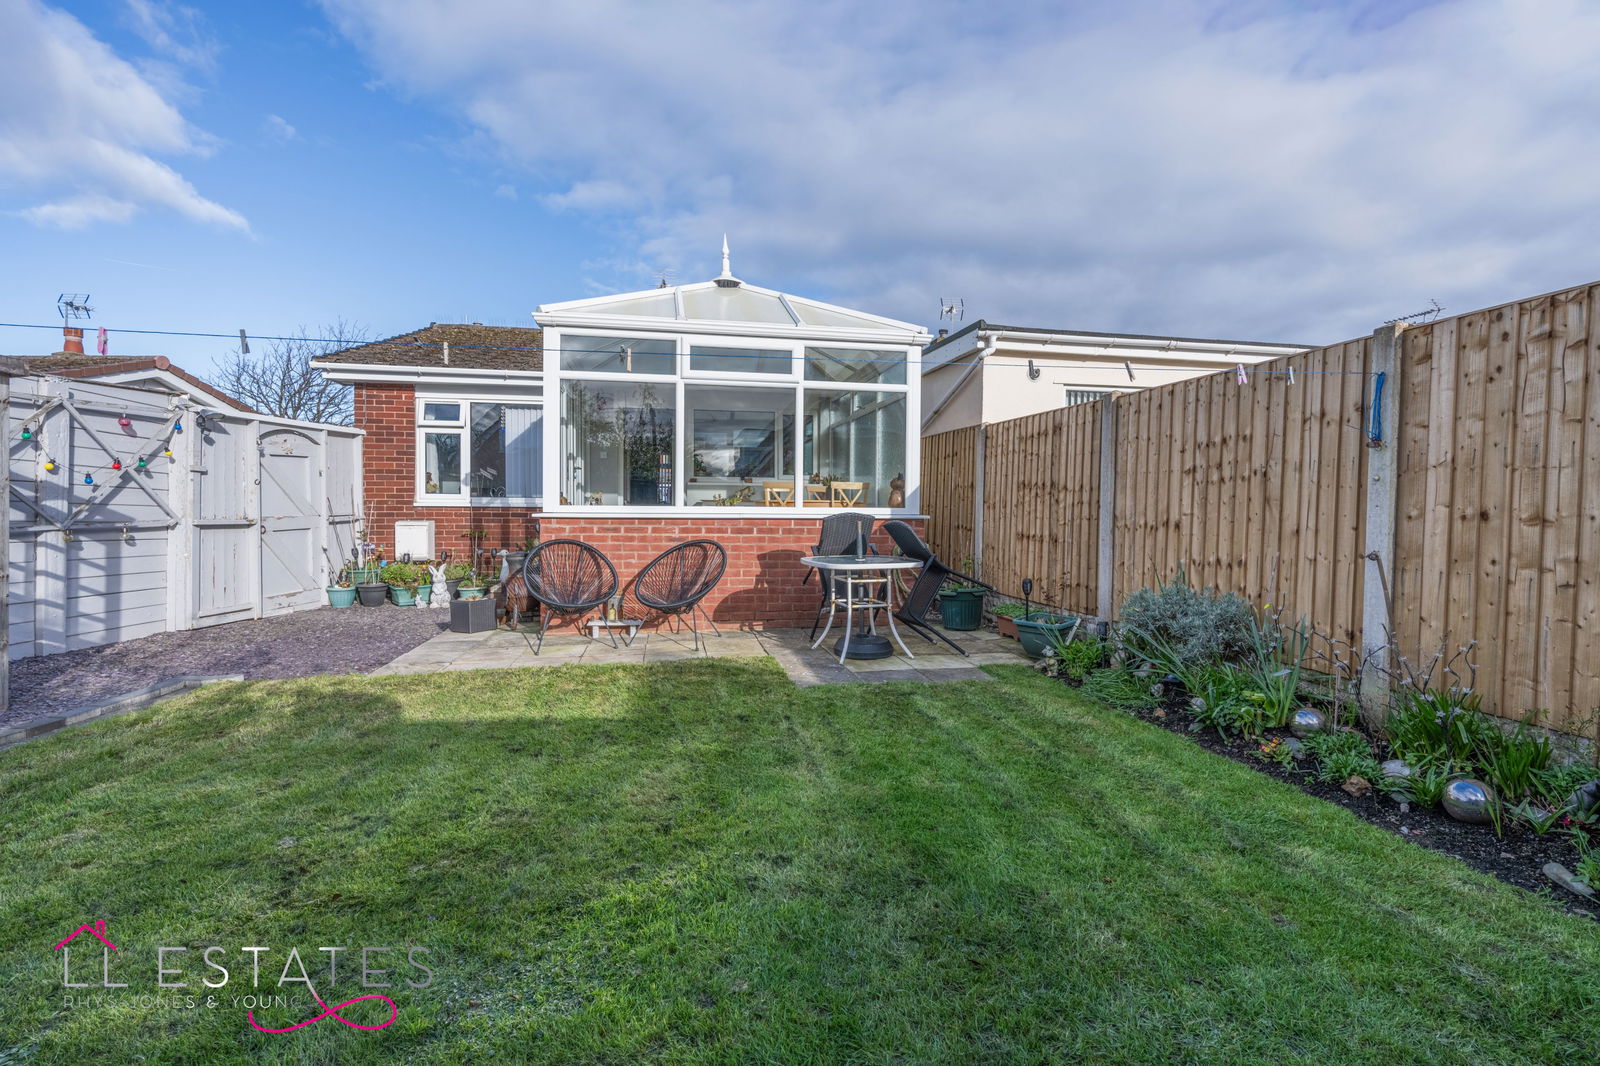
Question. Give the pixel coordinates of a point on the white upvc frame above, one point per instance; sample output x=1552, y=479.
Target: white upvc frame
x=796, y=341
x=462, y=427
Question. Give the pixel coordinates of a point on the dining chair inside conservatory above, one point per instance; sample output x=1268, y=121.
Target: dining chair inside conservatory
x=816, y=494
x=916, y=604
x=569, y=579
x=848, y=493
x=674, y=582
x=777, y=493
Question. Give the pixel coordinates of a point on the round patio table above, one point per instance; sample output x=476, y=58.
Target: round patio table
x=858, y=596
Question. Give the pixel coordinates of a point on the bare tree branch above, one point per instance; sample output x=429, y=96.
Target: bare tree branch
x=281, y=380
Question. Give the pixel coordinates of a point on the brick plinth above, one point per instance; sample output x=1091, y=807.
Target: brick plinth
x=762, y=588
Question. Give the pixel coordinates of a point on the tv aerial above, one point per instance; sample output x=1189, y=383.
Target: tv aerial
x=667, y=279
x=1419, y=317
x=73, y=305
x=953, y=311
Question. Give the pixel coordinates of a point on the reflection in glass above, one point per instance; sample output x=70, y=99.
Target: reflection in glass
x=855, y=445
x=616, y=443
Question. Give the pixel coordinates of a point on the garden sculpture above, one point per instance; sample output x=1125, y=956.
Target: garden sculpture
x=441, y=591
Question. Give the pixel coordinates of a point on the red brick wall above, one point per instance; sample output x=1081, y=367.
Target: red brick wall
x=762, y=587
x=388, y=414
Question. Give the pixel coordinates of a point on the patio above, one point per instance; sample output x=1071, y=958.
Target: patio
x=501, y=649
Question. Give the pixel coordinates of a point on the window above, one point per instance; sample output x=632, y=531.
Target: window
x=617, y=441
x=1076, y=396
x=492, y=453
x=737, y=439
x=855, y=447
x=740, y=360
x=856, y=365
x=619, y=355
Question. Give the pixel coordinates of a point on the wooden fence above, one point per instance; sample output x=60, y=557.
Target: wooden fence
x=1475, y=516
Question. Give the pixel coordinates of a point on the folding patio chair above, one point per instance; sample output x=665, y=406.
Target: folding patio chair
x=674, y=582
x=570, y=578
x=841, y=533
x=919, y=601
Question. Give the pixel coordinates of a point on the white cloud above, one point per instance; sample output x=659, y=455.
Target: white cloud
x=1274, y=170
x=278, y=129
x=79, y=121
x=506, y=192
x=175, y=31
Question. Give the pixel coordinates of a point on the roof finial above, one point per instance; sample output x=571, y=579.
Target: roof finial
x=726, y=279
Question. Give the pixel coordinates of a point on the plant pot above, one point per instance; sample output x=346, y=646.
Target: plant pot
x=1039, y=631
x=365, y=575
x=373, y=593
x=470, y=594
x=402, y=596
x=452, y=583
x=1007, y=625
x=425, y=593
x=961, y=609
x=341, y=597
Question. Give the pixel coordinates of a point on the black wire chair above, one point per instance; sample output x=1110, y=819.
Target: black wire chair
x=840, y=535
x=674, y=582
x=919, y=601
x=568, y=577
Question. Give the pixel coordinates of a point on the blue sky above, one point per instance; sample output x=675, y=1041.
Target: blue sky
x=1260, y=170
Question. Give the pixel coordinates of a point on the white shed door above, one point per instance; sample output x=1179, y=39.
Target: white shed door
x=291, y=521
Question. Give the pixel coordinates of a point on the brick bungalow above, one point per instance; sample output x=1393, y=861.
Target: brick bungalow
x=639, y=420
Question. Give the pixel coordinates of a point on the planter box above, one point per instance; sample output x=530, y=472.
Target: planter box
x=338, y=597
x=373, y=594
x=1039, y=631
x=961, y=609
x=403, y=597
x=1007, y=625
x=471, y=616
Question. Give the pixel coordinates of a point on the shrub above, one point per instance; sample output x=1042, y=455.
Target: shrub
x=402, y=575
x=1432, y=726
x=1340, y=754
x=1178, y=625
x=1008, y=610
x=1225, y=699
x=1510, y=761
x=457, y=571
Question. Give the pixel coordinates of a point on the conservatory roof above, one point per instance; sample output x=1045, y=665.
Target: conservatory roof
x=727, y=305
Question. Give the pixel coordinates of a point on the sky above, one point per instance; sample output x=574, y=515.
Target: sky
x=1254, y=170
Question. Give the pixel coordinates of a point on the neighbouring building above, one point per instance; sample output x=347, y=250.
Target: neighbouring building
x=639, y=420
x=141, y=371
x=990, y=373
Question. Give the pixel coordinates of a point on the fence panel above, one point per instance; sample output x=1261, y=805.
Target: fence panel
x=949, y=486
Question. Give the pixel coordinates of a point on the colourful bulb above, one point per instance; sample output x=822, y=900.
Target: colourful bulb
x=116, y=464
x=124, y=421
x=143, y=462
x=177, y=427
x=88, y=479
x=49, y=464
x=27, y=434
x=167, y=452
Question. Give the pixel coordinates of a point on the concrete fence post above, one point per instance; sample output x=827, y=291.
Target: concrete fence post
x=1105, y=571
x=1383, y=469
x=980, y=439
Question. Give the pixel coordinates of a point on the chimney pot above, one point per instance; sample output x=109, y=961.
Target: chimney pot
x=72, y=340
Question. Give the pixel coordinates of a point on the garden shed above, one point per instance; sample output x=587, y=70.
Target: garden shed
x=134, y=511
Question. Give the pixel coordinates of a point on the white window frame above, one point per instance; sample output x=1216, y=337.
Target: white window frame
x=462, y=428
x=795, y=380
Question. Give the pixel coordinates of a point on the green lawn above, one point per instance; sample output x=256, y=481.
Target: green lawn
x=696, y=862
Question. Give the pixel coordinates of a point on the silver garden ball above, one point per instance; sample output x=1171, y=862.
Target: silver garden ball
x=1467, y=799
x=1306, y=721
x=1398, y=768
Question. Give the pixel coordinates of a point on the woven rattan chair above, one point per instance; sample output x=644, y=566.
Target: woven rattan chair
x=568, y=578
x=919, y=601
x=841, y=533
x=674, y=582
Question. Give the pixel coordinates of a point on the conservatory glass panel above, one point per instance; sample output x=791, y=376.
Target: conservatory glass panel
x=855, y=446
x=739, y=444
x=619, y=355
x=741, y=360
x=616, y=443
x=856, y=365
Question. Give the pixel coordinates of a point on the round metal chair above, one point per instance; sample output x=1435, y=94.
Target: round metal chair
x=567, y=577
x=674, y=582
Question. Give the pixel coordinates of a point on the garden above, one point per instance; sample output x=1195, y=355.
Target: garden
x=698, y=862
x=1430, y=764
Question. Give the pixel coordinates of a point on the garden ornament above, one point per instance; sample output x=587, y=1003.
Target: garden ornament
x=1586, y=799
x=440, y=596
x=1467, y=799
x=1307, y=720
x=1397, y=768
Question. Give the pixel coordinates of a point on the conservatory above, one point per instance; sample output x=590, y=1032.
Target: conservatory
x=722, y=399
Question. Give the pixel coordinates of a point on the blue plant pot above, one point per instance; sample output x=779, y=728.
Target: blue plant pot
x=1038, y=632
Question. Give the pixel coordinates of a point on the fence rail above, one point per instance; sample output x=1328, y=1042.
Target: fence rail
x=1487, y=471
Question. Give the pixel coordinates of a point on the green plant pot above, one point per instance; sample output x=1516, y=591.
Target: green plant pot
x=365, y=575
x=961, y=608
x=1038, y=632
x=470, y=594
x=403, y=597
x=338, y=597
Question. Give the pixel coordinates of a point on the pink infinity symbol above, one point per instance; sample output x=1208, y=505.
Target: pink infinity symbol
x=332, y=1012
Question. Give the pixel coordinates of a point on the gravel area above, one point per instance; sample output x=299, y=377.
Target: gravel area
x=324, y=641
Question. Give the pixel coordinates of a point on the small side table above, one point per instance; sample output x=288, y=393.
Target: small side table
x=472, y=616
x=629, y=628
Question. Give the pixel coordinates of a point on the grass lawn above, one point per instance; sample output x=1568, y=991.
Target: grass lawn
x=698, y=863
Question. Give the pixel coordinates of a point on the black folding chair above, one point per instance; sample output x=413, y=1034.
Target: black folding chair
x=674, y=582
x=568, y=577
x=841, y=533
x=919, y=601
